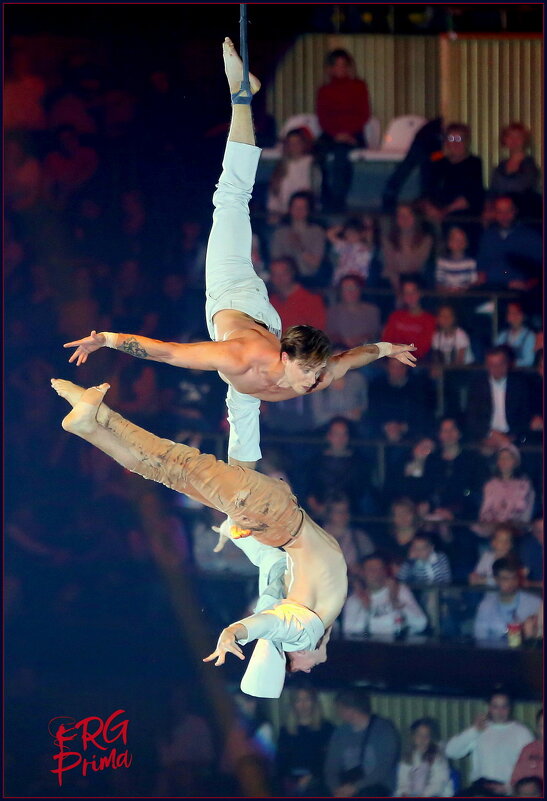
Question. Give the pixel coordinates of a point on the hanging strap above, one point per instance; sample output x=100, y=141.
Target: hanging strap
x=244, y=96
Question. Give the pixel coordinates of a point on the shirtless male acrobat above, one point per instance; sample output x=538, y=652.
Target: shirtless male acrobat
x=247, y=350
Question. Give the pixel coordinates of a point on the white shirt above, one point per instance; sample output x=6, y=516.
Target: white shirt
x=494, y=750
x=381, y=616
x=499, y=419
x=450, y=344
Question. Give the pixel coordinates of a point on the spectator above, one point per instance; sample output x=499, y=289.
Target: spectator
x=456, y=270
x=401, y=401
x=301, y=239
x=295, y=172
x=411, y=323
x=423, y=771
x=69, y=167
x=499, y=400
x=450, y=346
x=453, y=183
x=454, y=476
x=426, y=146
x=508, y=605
x=404, y=526
x=355, y=544
x=339, y=469
x=508, y=496
x=352, y=256
x=352, y=321
x=502, y=545
x=407, y=247
x=379, y=604
x=363, y=751
x=302, y=744
x=517, y=176
x=295, y=304
x=425, y=565
x=342, y=110
x=345, y=397
x=510, y=253
x=530, y=761
x=529, y=787
x=494, y=742
x=518, y=336
x=412, y=481
x=530, y=550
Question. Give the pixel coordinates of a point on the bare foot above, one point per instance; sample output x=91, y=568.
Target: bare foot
x=83, y=417
x=67, y=390
x=234, y=69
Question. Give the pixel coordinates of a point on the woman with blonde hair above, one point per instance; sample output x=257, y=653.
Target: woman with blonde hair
x=302, y=744
x=296, y=171
x=517, y=175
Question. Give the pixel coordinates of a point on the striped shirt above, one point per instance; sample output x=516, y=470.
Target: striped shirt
x=435, y=570
x=455, y=273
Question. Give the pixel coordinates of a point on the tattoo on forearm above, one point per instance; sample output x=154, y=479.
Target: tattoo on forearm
x=132, y=347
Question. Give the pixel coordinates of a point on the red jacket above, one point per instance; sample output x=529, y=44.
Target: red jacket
x=343, y=106
x=301, y=307
x=404, y=328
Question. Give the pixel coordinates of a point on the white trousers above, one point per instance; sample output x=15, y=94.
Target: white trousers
x=232, y=283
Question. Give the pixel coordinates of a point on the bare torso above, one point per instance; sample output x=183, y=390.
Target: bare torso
x=263, y=368
x=317, y=572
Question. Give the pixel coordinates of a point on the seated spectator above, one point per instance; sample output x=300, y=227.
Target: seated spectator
x=411, y=323
x=355, y=544
x=352, y=321
x=407, y=247
x=499, y=400
x=302, y=745
x=530, y=761
x=510, y=253
x=450, y=346
x=296, y=171
x=425, y=565
x=346, y=397
x=454, y=476
x=456, y=270
x=412, y=481
x=352, y=256
x=404, y=527
x=363, y=751
x=342, y=110
x=339, y=469
x=423, y=771
x=494, y=742
x=23, y=178
x=509, y=496
x=371, y=238
x=529, y=787
x=301, y=239
x=295, y=304
x=502, y=545
x=530, y=551
x=508, y=605
x=69, y=167
x=518, y=175
x=379, y=604
x=518, y=336
x=401, y=401
x=453, y=183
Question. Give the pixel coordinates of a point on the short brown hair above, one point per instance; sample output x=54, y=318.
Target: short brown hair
x=306, y=344
x=516, y=126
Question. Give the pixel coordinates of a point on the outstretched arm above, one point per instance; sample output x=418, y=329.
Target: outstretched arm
x=339, y=365
x=226, y=357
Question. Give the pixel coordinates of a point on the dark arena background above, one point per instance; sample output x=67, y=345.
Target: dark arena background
x=421, y=223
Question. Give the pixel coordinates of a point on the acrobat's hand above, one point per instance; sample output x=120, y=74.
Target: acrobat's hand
x=403, y=354
x=85, y=346
x=227, y=643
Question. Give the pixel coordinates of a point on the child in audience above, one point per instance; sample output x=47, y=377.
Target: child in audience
x=352, y=255
x=455, y=269
x=520, y=338
x=450, y=344
x=502, y=543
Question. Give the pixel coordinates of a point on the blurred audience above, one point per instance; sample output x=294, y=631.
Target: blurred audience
x=509, y=606
x=351, y=321
x=518, y=336
x=407, y=247
x=502, y=545
x=425, y=565
x=530, y=761
x=411, y=324
x=296, y=171
x=518, y=175
x=455, y=269
x=294, y=304
x=301, y=239
x=423, y=771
